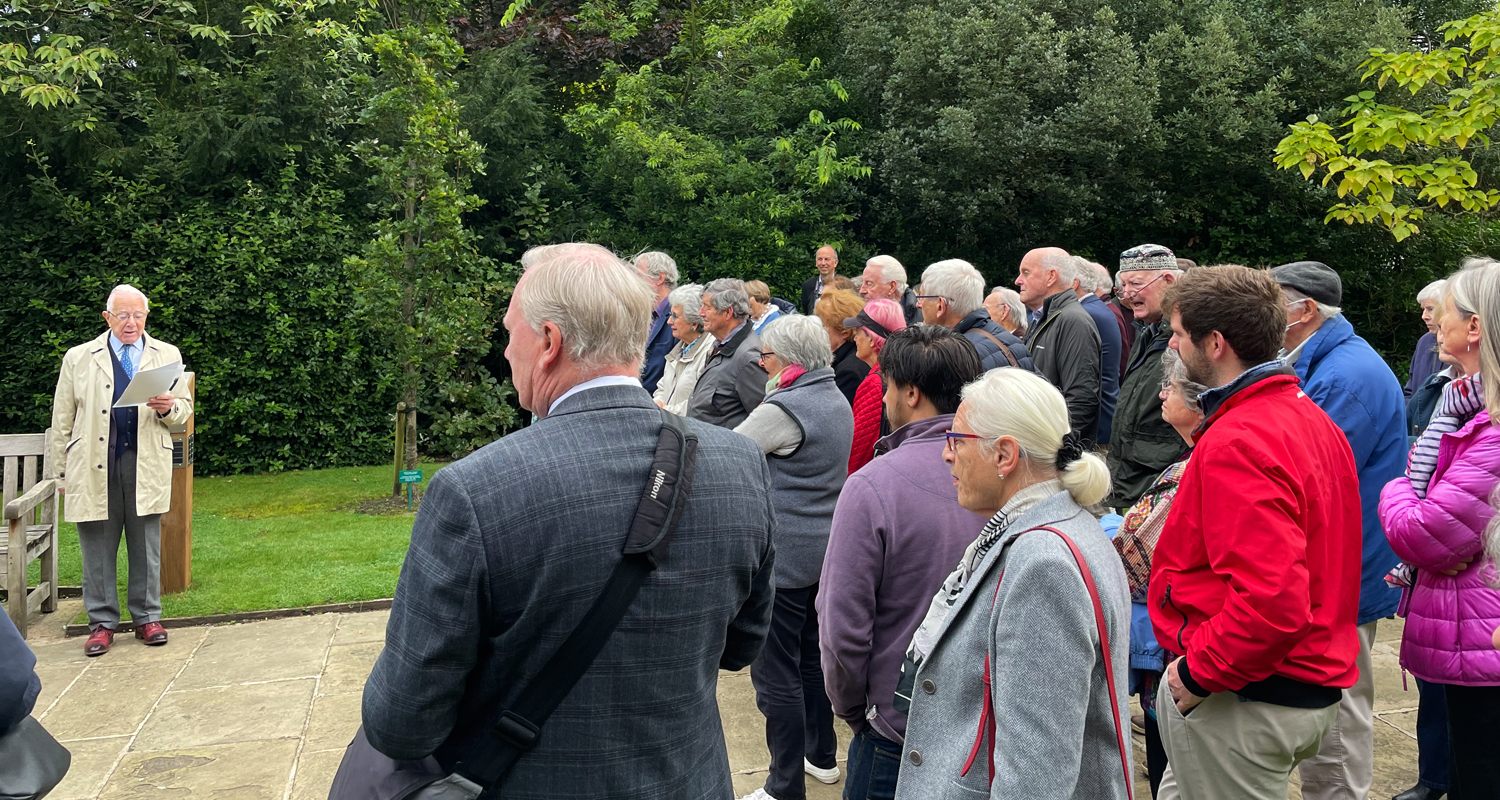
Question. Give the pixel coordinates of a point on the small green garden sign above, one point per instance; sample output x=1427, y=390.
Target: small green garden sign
x=410, y=476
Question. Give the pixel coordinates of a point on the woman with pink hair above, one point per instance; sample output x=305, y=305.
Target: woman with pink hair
x=878, y=320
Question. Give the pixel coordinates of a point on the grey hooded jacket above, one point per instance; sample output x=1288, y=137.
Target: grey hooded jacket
x=1055, y=736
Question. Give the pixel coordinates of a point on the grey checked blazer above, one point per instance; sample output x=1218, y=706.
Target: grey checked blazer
x=511, y=547
x=1053, y=739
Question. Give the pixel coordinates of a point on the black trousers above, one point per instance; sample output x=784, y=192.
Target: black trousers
x=1473, y=714
x=788, y=680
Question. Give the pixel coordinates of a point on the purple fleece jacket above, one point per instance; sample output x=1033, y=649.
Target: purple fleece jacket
x=898, y=531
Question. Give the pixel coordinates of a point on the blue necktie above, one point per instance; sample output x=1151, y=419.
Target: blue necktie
x=126, y=362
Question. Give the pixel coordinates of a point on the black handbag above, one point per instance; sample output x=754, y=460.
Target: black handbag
x=367, y=774
x=32, y=763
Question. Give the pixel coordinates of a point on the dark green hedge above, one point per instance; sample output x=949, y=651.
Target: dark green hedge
x=250, y=286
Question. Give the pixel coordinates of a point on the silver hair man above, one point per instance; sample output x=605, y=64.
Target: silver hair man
x=728, y=294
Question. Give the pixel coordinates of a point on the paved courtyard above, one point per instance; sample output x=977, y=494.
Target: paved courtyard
x=264, y=710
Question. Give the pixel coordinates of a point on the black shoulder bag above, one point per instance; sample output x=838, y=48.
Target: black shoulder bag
x=367, y=774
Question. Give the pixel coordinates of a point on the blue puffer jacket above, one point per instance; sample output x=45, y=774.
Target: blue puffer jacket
x=1356, y=388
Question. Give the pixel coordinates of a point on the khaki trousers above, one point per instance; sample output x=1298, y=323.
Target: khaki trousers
x=1227, y=749
x=1344, y=767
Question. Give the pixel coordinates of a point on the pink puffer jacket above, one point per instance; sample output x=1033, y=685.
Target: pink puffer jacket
x=1449, y=620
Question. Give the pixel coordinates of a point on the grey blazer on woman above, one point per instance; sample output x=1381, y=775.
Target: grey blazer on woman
x=1054, y=738
x=512, y=546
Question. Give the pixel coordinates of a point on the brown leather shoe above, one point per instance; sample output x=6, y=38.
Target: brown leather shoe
x=99, y=642
x=152, y=633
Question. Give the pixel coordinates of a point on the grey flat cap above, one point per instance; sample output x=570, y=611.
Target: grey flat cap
x=1147, y=256
x=1312, y=278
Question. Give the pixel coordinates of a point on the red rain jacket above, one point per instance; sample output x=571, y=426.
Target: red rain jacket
x=1257, y=571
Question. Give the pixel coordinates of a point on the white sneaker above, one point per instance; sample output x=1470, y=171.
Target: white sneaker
x=830, y=775
x=758, y=794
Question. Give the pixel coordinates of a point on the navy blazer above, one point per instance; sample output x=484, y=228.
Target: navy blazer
x=659, y=342
x=19, y=684
x=511, y=548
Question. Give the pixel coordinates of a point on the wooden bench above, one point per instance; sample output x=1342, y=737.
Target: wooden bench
x=30, y=532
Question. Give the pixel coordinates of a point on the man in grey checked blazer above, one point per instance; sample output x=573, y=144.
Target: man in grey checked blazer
x=514, y=543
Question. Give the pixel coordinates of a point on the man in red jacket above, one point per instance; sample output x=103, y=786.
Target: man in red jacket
x=1255, y=581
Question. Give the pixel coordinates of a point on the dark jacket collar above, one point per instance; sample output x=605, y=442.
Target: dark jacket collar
x=732, y=344
x=917, y=431
x=975, y=319
x=1058, y=302
x=846, y=350
x=1216, y=401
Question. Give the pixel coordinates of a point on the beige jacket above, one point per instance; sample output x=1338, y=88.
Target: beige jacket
x=79, y=441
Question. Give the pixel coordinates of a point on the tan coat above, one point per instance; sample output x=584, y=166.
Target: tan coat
x=80, y=431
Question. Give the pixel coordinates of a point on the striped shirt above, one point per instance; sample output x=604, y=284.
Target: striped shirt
x=1462, y=399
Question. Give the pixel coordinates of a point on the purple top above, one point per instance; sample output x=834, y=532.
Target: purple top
x=898, y=531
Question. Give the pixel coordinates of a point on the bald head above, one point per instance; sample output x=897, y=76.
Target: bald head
x=827, y=260
x=1041, y=275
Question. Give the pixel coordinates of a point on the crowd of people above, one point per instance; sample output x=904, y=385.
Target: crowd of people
x=970, y=525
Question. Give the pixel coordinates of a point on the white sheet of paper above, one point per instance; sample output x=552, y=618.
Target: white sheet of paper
x=149, y=383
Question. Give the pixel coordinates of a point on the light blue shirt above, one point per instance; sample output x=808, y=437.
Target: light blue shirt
x=136, y=350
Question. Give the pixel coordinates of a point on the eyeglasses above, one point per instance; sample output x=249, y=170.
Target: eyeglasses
x=138, y=316
x=952, y=438
x=1127, y=289
x=763, y=355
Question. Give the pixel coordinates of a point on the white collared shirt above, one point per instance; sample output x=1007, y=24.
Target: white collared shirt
x=606, y=380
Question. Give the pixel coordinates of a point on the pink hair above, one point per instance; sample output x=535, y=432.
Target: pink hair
x=889, y=314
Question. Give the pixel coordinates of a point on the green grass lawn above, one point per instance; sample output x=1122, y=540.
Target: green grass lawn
x=280, y=541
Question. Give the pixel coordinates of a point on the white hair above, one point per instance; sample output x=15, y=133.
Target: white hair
x=1325, y=311
x=655, y=264
x=1011, y=299
x=958, y=281
x=798, y=339
x=890, y=270
x=598, y=302
x=1062, y=263
x=1103, y=276
x=1025, y=407
x=125, y=289
x=1432, y=291
x=690, y=297
x=729, y=293
x=1081, y=270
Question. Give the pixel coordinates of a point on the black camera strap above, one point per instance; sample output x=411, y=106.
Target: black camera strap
x=656, y=519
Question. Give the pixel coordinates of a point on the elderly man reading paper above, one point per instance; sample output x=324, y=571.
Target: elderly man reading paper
x=116, y=465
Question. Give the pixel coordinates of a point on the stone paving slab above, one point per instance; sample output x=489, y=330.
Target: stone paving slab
x=265, y=709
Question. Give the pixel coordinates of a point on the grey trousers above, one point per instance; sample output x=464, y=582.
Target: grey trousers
x=99, y=546
x=1344, y=767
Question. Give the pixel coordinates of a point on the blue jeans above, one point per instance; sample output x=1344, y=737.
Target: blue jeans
x=874, y=762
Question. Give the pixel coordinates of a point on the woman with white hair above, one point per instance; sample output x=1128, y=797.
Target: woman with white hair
x=804, y=427
x=1028, y=636
x=1435, y=519
x=1424, y=361
x=686, y=359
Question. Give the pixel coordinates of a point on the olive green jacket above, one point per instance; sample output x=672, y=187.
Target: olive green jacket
x=1141, y=444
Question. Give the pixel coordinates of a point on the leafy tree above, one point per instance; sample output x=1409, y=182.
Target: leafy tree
x=1456, y=89
x=421, y=280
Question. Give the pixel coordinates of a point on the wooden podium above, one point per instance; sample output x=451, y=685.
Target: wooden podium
x=177, y=523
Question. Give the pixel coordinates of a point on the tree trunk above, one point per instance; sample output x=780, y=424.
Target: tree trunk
x=411, y=429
